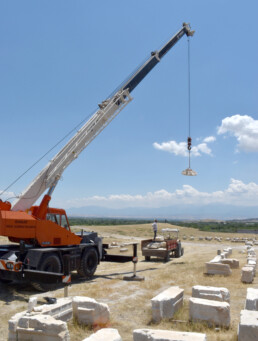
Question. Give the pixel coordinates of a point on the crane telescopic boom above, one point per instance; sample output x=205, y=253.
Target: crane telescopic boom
x=108, y=110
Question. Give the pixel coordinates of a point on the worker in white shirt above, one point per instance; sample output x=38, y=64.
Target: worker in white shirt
x=155, y=228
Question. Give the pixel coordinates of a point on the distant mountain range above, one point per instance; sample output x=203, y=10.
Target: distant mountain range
x=181, y=212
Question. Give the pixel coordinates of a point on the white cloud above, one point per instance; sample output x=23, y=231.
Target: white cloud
x=244, y=128
x=237, y=193
x=172, y=147
x=209, y=139
x=7, y=196
x=180, y=149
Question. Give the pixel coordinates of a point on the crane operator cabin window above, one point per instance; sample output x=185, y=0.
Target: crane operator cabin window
x=57, y=219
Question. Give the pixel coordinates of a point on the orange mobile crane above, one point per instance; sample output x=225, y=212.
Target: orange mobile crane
x=44, y=246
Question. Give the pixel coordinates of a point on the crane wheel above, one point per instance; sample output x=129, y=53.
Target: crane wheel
x=89, y=263
x=50, y=263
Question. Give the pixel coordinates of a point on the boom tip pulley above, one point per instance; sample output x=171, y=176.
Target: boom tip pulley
x=189, y=32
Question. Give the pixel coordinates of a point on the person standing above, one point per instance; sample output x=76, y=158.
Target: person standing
x=155, y=228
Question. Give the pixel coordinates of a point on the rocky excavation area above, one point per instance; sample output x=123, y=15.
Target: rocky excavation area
x=131, y=303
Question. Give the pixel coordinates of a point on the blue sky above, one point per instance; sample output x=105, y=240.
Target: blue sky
x=59, y=59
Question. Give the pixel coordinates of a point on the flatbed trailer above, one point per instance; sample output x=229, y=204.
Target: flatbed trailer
x=169, y=247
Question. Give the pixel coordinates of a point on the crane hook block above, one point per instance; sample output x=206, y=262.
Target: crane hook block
x=189, y=143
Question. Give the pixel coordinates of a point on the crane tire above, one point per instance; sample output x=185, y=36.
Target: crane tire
x=89, y=263
x=51, y=263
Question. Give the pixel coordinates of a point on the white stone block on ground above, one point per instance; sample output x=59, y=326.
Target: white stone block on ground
x=253, y=267
x=249, y=243
x=166, y=335
x=216, y=259
x=42, y=328
x=218, y=269
x=12, y=326
x=105, y=334
x=213, y=312
x=248, y=326
x=251, y=302
x=247, y=274
x=228, y=249
x=167, y=303
x=211, y=293
x=251, y=261
x=62, y=310
x=252, y=257
x=233, y=263
x=88, y=311
x=32, y=303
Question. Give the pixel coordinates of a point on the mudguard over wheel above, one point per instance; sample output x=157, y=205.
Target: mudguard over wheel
x=50, y=263
x=89, y=263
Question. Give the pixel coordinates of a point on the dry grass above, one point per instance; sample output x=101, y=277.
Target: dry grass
x=129, y=302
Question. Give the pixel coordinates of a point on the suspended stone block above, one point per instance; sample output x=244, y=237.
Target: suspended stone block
x=89, y=312
x=189, y=172
x=247, y=274
x=248, y=326
x=167, y=303
x=166, y=335
x=218, y=269
x=211, y=293
x=251, y=302
x=105, y=334
x=213, y=312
